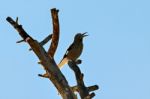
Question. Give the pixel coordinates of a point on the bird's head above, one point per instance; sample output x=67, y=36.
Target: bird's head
x=80, y=36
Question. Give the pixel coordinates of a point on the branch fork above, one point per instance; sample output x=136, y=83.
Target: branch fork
x=47, y=61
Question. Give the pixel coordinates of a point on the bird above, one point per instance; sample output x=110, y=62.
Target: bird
x=74, y=50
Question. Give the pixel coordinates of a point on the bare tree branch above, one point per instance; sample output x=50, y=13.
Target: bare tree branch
x=92, y=88
x=20, y=41
x=19, y=28
x=90, y=96
x=55, y=36
x=83, y=91
x=46, y=40
x=46, y=59
x=43, y=42
x=47, y=62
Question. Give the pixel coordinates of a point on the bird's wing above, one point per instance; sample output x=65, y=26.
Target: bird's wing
x=65, y=59
x=70, y=47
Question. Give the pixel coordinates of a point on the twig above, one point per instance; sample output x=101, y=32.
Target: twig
x=20, y=41
x=19, y=28
x=90, y=96
x=92, y=88
x=42, y=43
x=46, y=40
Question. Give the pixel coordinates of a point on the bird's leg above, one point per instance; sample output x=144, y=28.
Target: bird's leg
x=78, y=61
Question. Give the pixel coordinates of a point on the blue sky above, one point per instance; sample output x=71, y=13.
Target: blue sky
x=116, y=54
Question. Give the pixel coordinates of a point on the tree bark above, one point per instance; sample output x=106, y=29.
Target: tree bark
x=46, y=60
x=55, y=36
x=83, y=91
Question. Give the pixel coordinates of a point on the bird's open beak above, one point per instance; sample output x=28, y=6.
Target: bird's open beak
x=84, y=34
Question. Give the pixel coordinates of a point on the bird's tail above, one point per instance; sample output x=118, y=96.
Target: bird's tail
x=63, y=62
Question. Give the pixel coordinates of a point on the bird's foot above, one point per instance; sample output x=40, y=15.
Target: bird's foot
x=78, y=61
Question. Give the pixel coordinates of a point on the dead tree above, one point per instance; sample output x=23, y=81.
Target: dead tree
x=46, y=59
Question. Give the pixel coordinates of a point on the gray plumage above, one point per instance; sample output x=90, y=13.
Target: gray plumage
x=74, y=50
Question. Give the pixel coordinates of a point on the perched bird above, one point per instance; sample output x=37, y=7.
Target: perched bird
x=74, y=50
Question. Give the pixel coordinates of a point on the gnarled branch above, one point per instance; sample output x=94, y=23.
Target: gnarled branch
x=83, y=91
x=55, y=36
x=46, y=59
x=47, y=62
